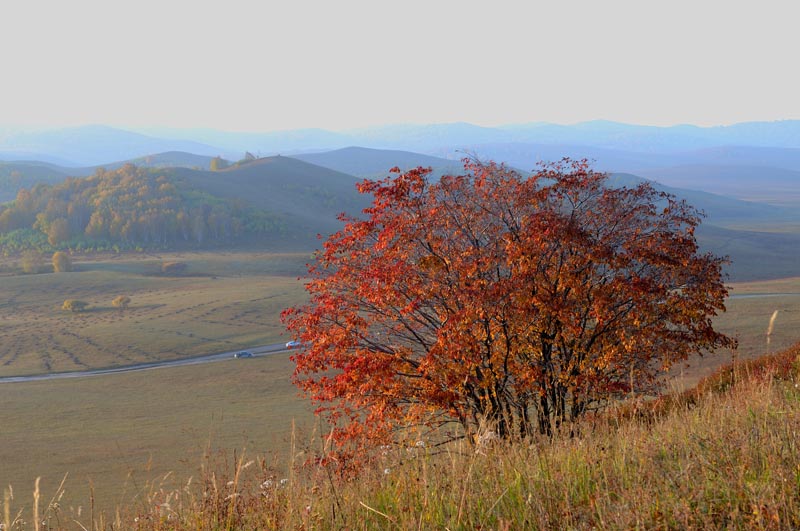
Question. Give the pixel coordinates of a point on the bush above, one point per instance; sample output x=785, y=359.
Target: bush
x=62, y=263
x=74, y=306
x=121, y=302
x=174, y=268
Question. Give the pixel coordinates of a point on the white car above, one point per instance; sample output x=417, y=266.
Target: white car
x=294, y=344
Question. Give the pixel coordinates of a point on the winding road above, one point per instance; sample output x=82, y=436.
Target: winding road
x=265, y=350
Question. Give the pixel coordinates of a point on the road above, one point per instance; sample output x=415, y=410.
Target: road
x=266, y=350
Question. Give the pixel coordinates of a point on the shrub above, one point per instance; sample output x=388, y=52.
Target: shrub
x=121, y=302
x=174, y=268
x=74, y=306
x=62, y=263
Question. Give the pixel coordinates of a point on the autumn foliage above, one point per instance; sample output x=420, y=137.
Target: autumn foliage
x=492, y=299
x=62, y=263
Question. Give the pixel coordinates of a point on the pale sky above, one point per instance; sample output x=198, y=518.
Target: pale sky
x=338, y=64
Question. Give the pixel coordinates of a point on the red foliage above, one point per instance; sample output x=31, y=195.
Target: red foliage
x=491, y=297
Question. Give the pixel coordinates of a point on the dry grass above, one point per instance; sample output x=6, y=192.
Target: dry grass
x=232, y=302
x=728, y=459
x=747, y=319
x=120, y=432
x=134, y=440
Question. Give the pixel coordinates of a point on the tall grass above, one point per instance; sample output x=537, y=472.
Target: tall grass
x=725, y=455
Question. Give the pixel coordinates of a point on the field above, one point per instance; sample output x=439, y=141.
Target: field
x=749, y=310
x=223, y=302
x=120, y=433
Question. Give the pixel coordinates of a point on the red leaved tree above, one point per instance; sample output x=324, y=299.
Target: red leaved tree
x=494, y=298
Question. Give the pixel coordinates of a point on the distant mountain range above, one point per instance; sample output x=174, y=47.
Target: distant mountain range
x=91, y=145
x=746, y=177
x=376, y=163
x=615, y=146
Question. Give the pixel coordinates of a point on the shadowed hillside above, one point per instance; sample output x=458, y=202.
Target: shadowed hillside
x=14, y=176
x=772, y=185
x=754, y=255
x=309, y=196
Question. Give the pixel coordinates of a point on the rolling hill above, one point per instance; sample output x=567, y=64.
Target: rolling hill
x=720, y=209
x=17, y=175
x=754, y=255
x=14, y=176
x=309, y=196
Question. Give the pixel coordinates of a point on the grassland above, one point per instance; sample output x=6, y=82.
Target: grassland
x=747, y=318
x=226, y=301
x=721, y=458
x=121, y=432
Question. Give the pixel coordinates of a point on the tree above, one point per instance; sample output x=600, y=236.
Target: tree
x=58, y=231
x=122, y=302
x=74, y=306
x=62, y=263
x=218, y=163
x=490, y=298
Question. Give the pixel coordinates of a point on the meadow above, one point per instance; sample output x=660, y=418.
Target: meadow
x=115, y=437
x=224, y=302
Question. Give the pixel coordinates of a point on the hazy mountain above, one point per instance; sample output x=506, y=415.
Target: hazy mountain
x=427, y=138
x=644, y=138
x=92, y=145
x=774, y=157
x=366, y=162
x=29, y=157
x=616, y=146
x=260, y=144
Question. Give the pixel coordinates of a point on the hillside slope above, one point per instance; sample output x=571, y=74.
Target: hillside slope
x=14, y=176
x=309, y=196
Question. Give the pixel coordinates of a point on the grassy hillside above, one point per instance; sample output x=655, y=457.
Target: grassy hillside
x=150, y=423
x=118, y=433
x=721, y=456
x=14, y=176
x=775, y=186
x=754, y=255
x=309, y=196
